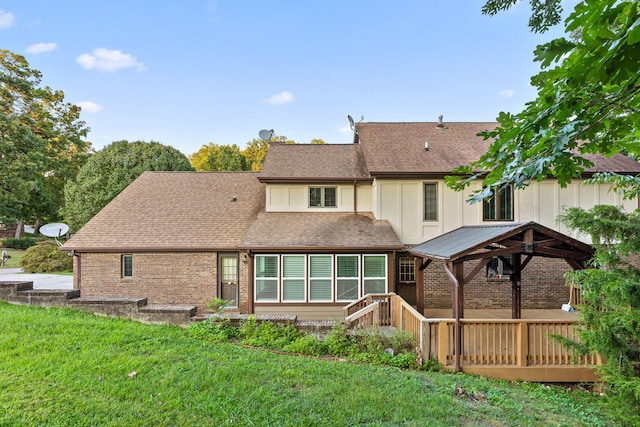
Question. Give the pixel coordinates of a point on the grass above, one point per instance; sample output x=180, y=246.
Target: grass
x=14, y=261
x=60, y=367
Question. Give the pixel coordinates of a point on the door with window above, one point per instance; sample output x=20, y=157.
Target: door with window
x=228, y=278
x=407, y=278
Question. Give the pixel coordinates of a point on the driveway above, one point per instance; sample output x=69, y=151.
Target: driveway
x=40, y=281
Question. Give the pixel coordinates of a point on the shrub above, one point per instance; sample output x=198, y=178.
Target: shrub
x=268, y=334
x=213, y=330
x=46, y=258
x=337, y=342
x=20, y=244
x=306, y=344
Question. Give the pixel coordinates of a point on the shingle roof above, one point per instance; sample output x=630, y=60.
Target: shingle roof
x=318, y=230
x=399, y=148
x=175, y=211
x=313, y=162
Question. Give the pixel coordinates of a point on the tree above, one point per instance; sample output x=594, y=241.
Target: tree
x=255, y=152
x=610, y=316
x=41, y=143
x=212, y=157
x=108, y=171
x=587, y=101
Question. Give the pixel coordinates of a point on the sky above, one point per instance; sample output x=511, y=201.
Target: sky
x=190, y=73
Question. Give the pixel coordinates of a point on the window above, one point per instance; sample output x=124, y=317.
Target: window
x=500, y=206
x=127, y=265
x=375, y=274
x=293, y=278
x=430, y=201
x=320, y=278
x=266, y=270
x=500, y=267
x=348, y=277
x=406, y=269
x=322, y=197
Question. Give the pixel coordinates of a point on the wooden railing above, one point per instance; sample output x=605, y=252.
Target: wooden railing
x=508, y=349
x=357, y=314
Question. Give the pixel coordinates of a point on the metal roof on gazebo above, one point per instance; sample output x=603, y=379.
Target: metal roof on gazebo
x=448, y=245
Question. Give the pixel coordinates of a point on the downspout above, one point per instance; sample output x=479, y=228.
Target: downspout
x=456, y=311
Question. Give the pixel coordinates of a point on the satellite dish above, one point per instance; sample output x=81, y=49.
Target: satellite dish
x=266, y=134
x=54, y=229
x=352, y=124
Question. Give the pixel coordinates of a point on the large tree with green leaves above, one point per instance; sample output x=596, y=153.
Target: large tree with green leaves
x=587, y=101
x=108, y=171
x=215, y=158
x=41, y=143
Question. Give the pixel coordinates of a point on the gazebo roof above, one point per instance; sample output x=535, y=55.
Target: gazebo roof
x=481, y=241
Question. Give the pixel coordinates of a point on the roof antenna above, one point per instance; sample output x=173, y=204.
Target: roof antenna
x=266, y=134
x=353, y=125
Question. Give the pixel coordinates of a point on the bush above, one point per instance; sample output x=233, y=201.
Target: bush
x=213, y=330
x=46, y=258
x=20, y=244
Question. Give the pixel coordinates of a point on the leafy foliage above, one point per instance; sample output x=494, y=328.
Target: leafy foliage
x=46, y=258
x=110, y=170
x=41, y=141
x=212, y=157
x=610, y=316
x=587, y=101
x=24, y=243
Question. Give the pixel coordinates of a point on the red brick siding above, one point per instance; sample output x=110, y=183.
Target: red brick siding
x=543, y=287
x=163, y=278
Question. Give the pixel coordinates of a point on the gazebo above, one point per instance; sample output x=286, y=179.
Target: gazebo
x=522, y=241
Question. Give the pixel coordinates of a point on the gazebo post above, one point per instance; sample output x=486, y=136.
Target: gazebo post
x=516, y=288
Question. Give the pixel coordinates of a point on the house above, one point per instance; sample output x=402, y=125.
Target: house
x=322, y=225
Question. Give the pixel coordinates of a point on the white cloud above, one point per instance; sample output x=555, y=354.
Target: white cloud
x=89, y=107
x=6, y=19
x=108, y=60
x=41, y=48
x=507, y=93
x=281, y=98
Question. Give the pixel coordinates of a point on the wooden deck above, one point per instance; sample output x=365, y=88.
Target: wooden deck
x=491, y=343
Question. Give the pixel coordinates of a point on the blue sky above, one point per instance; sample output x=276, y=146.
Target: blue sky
x=186, y=73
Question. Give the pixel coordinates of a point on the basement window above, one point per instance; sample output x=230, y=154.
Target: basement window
x=127, y=266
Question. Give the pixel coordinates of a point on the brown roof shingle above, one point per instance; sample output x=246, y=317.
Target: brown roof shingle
x=313, y=162
x=175, y=211
x=399, y=148
x=320, y=231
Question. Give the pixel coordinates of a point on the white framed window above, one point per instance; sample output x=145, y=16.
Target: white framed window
x=266, y=278
x=126, y=262
x=374, y=272
x=317, y=278
x=320, y=278
x=347, y=277
x=294, y=282
x=322, y=197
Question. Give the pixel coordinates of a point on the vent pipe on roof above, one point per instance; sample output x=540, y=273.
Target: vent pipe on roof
x=440, y=123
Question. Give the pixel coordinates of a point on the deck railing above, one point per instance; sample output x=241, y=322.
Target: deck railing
x=509, y=349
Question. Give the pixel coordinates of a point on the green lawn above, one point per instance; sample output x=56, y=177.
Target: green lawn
x=14, y=261
x=62, y=367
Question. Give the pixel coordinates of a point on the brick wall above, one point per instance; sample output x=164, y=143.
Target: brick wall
x=163, y=278
x=543, y=286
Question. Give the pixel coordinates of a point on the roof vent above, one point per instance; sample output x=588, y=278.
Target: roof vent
x=440, y=123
